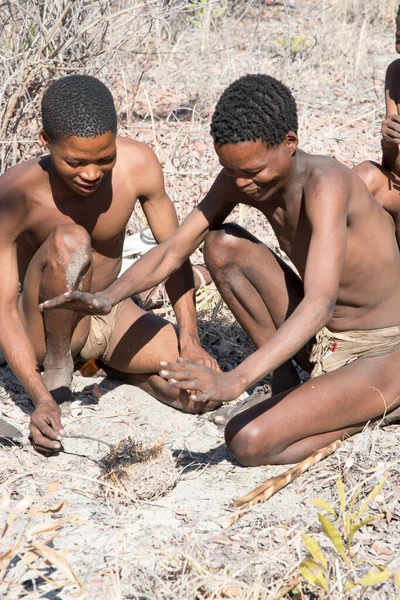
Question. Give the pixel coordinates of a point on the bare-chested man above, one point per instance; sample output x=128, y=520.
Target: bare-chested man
x=383, y=181
x=62, y=227
x=340, y=319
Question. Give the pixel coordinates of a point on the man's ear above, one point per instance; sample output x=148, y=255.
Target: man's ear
x=292, y=141
x=43, y=139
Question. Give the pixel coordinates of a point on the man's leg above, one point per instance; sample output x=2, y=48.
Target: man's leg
x=289, y=426
x=62, y=263
x=259, y=288
x=138, y=343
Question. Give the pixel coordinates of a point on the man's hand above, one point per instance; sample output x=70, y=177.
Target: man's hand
x=45, y=427
x=202, y=382
x=194, y=353
x=80, y=302
x=391, y=129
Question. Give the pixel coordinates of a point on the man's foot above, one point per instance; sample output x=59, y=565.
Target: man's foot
x=224, y=414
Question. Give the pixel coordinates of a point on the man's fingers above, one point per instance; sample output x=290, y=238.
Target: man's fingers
x=43, y=443
x=180, y=375
x=54, y=302
x=185, y=384
x=198, y=397
x=47, y=430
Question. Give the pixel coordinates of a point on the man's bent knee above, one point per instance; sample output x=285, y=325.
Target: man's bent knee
x=248, y=443
x=221, y=244
x=70, y=251
x=70, y=238
x=371, y=175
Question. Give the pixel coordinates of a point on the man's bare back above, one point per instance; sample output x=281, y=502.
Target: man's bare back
x=345, y=305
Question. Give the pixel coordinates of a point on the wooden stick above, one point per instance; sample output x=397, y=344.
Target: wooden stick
x=270, y=487
x=289, y=475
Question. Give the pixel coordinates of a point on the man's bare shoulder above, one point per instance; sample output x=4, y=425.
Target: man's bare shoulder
x=393, y=69
x=132, y=153
x=19, y=181
x=324, y=171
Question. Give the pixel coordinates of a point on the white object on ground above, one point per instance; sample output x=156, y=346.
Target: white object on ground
x=133, y=248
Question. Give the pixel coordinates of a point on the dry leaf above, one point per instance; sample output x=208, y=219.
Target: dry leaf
x=57, y=560
x=44, y=527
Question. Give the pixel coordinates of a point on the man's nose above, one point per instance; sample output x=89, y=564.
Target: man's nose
x=91, y=173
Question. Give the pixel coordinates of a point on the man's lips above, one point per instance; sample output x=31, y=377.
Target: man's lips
x=88, y=187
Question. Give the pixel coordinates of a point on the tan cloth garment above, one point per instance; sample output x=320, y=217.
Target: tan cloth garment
x=101, y=328
x=332, y=350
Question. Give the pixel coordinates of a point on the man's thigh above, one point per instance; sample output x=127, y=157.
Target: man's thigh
x=140, y=340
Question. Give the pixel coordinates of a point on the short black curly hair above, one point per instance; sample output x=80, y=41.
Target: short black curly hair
x=78, y=105
x=254, y=107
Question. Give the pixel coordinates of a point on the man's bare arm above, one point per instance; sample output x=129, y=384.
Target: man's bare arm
x=391, y=124
x=162, y=219
x=326, y=209
x=16, y=345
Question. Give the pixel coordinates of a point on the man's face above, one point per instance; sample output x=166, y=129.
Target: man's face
x=398, y=36
x=258, y=171
x=83, y=162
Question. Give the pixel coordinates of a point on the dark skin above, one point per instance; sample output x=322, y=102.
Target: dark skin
x=383, y=181
x=62, y=227
x=343, y=244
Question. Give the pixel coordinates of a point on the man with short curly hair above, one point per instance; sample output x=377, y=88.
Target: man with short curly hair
x=62, y=227
x=338, y=318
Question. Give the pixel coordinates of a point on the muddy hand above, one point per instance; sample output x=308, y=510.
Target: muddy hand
x=201, y=382
x=391, y=129
x=45, y=427
x=80, y=302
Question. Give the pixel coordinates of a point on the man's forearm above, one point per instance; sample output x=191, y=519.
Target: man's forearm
x=150, y=270
x=180, y=290
x=20, y=356
x=300, y=327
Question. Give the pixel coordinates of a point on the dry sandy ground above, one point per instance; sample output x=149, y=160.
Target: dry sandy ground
x=174, y=547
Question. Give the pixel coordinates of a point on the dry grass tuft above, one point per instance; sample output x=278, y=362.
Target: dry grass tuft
x=143, y=471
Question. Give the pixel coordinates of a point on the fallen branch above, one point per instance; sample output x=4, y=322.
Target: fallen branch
x=271, y=486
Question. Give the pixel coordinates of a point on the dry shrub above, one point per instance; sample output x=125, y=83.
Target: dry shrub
x=139, y=470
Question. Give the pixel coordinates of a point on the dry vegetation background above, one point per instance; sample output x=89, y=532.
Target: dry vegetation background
x=166, y=62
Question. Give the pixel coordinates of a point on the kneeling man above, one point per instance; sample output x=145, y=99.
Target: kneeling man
x=62, y=227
